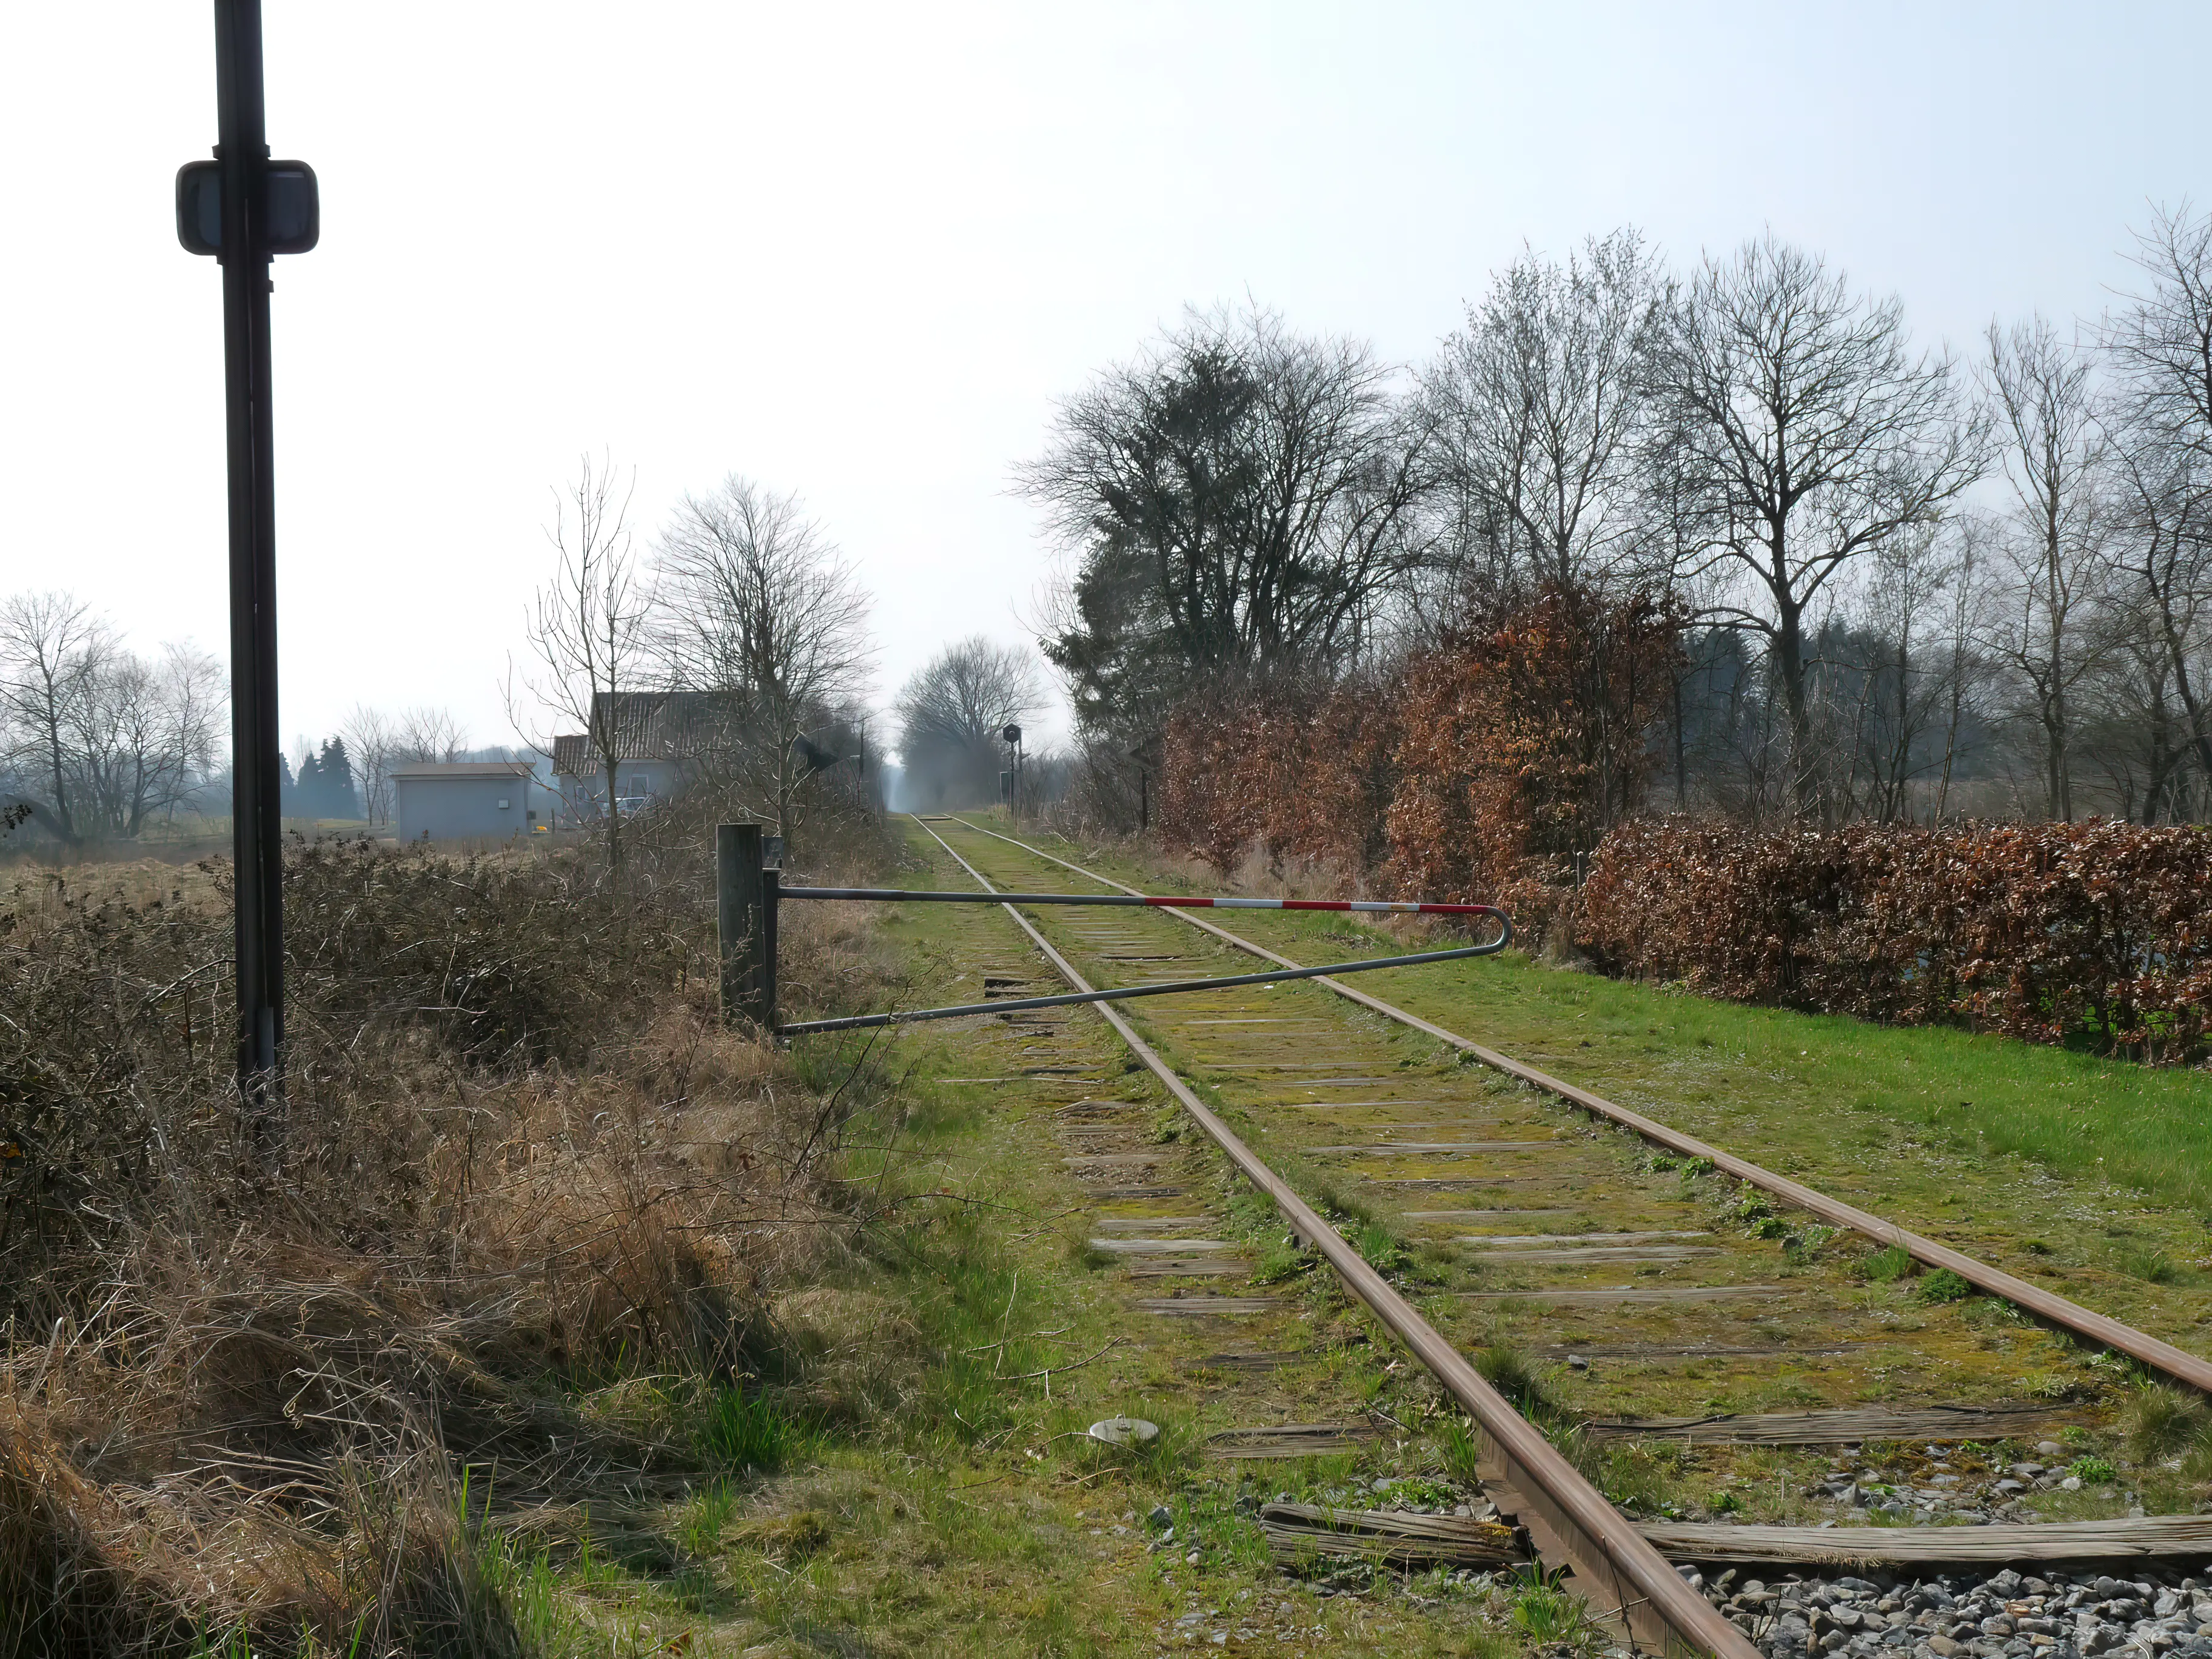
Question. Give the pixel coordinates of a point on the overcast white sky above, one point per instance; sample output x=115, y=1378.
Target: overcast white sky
x=858, y=252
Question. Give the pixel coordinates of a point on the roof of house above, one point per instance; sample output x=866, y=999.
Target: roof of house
x=418, y=771
x=647, y=726
x=571, y=753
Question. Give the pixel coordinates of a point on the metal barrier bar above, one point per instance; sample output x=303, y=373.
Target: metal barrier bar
x=1376, y=906
x=1013, y=1004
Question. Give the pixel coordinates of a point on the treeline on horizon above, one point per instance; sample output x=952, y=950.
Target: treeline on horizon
x=1723, y=542
x=1721, y=539
x=1806, y=568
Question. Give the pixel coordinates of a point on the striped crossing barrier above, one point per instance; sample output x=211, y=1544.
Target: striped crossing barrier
x=1160, y=902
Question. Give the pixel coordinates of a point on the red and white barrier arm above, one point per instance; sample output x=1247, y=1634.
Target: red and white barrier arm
x=1163, y=902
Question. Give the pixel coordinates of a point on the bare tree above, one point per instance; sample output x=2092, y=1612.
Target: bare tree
x=196, y=714
x=428, y=733
x=1908, y=596
x=2161, y=347
x=105, y=738
x=2054, y=458
x=587, y=628
x=145, y=735
x=1961, y=669
x=951, y=712
x=767, y=622
x=2130, y=727
x=52, y=646
x=1537, y=407
x=1807, y=431
x=2161, y=597
x=374, y=746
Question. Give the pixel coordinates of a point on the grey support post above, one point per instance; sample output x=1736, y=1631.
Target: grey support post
x=771, y=891
x=747, y=978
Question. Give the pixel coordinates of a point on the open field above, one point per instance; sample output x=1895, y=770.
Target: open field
x=944, y=1300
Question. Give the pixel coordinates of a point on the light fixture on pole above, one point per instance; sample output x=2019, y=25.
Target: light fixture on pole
x=1011, y=734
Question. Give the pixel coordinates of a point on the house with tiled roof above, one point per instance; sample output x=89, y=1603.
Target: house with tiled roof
x=660, y=738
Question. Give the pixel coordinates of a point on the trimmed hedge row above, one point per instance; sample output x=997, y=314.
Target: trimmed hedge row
x=2098, y=933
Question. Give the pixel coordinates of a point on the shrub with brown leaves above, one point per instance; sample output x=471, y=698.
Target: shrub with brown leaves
x=1487, y=767
x=1303, y=769
x=2097, y=932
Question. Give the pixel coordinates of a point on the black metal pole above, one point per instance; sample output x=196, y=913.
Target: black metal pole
x=256, y=805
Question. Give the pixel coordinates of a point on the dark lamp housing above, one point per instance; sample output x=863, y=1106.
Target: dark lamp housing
x=294, y=207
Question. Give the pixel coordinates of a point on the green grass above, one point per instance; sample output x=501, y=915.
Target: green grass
x=2126, y=1124
x=1520, y=1379
x=1889, y=1264
x=1548, y=1614
x=745, y=1431
x=1944, y=1285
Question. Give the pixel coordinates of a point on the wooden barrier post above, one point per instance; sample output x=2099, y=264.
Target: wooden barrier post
x=738, y=898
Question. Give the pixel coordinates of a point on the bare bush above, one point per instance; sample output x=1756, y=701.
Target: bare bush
x=238, y=1398
x=767, y=622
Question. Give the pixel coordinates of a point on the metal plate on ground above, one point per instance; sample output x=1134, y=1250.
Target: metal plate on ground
x=1124, y=1432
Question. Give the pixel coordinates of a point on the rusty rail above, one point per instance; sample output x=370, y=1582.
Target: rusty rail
x=2176, y=1363
x=1624, y=1576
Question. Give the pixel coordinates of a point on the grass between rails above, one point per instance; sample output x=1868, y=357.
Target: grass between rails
x=2091, y=1175
x=995, y=1524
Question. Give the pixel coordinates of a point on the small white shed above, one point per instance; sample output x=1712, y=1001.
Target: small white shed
x=469, y=800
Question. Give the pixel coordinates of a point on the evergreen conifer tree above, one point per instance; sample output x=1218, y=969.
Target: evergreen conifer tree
x=338, y=796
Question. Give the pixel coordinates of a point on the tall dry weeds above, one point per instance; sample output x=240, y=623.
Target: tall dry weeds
x=240, y=1388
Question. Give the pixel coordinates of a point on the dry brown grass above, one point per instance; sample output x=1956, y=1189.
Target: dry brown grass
x=524, y=1176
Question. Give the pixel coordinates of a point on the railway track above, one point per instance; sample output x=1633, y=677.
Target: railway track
x=1698, y=1313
